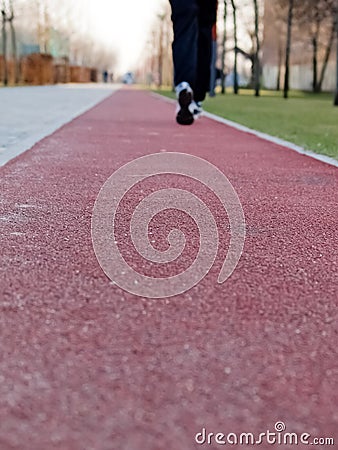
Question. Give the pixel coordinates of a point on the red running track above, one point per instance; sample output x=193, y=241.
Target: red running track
x=84, y=365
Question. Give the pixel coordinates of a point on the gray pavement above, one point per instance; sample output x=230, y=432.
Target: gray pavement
x=28, y=114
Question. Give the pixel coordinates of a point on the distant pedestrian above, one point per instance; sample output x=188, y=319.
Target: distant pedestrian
x=193, y=21
x=105, y=76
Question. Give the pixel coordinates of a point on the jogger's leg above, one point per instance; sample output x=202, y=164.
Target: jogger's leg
x=206, y=20
x=185, y=24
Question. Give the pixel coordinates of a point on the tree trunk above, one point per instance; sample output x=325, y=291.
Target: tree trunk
x=256, y=57
x=315, y=38
x=223, y=47
x=336, y=93
x=4, y=47
x=15, y=54
x=326, y=57
x=280, y=56
x=160, y=53
x=288, y=49
x=14, y=46
x=314, y=62
x=234, y=14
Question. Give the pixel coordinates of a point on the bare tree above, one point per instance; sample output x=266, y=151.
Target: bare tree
x=43, y=24
x=256, y=64
x=13, y=43
x=336, y=93
x=288, y=48
x=318, y=17
x=234, y=15
x=327, y=54
x=224, y=39
x=155, y=63
x=168, y=70
x=160, y=50
x=280, y=59
x=4, y=44
x=279, y=20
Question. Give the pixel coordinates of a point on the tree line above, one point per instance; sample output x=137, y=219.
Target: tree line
x=318, y=21
x=314, y=22
x=37, y=21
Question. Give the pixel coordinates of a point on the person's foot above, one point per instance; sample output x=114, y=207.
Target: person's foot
x=198, y=110
x=186, y=104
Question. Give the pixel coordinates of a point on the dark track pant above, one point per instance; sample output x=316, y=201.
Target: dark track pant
x=193, y=21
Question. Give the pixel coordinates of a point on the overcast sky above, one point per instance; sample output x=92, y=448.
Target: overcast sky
x=124, y=24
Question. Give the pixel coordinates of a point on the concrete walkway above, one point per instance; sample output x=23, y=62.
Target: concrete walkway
x=28, y=114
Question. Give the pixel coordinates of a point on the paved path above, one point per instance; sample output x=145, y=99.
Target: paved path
x=85, y=365
x=28, y=114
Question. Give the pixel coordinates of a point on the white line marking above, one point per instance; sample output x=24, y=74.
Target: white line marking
x=261, y=135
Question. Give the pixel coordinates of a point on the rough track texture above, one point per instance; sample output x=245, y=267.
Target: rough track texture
x=85, y=365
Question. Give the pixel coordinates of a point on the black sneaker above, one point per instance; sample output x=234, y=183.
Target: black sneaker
x=185, y=109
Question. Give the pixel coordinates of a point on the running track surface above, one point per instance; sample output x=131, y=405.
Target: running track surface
x=86, y=366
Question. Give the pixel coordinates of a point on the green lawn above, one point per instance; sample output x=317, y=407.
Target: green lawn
x=309, y=120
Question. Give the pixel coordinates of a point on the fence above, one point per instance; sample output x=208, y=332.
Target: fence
x=39, y=69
